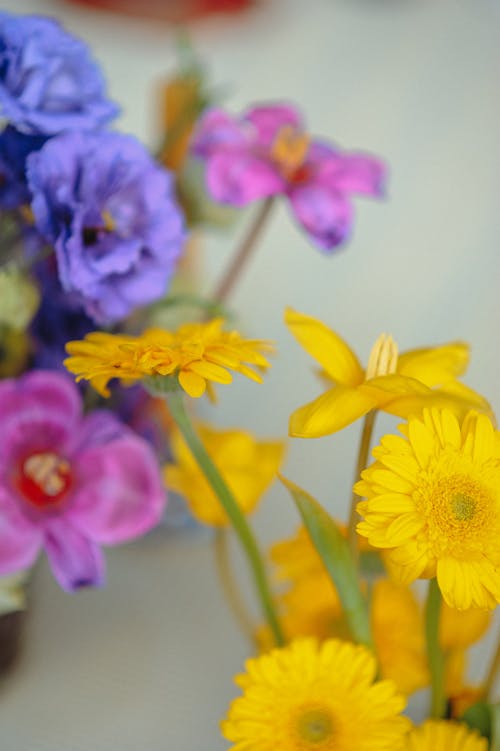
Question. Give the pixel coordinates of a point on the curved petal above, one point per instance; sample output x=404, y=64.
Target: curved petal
x=268, y=120
x=75, y=561
x=466, y=584
x=20, y=540
x=216, y=129
x=354, y=173
x=121, y=495
x=326, y=347
x=330, y=412
x=46, y=390
x=237, y=177
x=456, y=397
x=389, y=389
x=325, y=214
x=98, y=429
x=435, y=365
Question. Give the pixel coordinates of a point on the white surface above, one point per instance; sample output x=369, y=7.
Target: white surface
x=147, y=664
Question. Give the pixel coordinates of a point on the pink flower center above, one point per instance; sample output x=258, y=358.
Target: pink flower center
x=289, y=152
x=44, y=480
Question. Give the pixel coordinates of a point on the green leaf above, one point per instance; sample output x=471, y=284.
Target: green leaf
x=335, y=554
x=478, y=717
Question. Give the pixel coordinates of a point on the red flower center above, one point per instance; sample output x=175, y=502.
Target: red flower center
x=44, y=479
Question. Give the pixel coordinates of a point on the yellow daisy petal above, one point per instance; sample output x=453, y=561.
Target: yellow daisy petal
x=192, y=383
x=326, y=347
x=445, y=735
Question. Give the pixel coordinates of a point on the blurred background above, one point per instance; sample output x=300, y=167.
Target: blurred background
x=148, y=662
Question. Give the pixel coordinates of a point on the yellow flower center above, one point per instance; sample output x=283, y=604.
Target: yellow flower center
x=459, y=512
x=315, y=727
x=289, y=149
x=383, y=358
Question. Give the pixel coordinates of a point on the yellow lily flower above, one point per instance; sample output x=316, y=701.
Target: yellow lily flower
x=399, y=384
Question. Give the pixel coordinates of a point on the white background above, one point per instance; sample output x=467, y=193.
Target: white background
x=147, y=663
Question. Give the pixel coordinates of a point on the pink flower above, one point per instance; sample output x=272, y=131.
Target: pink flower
x=69, y=483
x=267, y=152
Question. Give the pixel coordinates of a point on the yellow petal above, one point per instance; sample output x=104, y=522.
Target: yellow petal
x=211, y=371
x=435, y=365
x=392, y=388
x=192, y=383
x=326, y=347
x=330, y=412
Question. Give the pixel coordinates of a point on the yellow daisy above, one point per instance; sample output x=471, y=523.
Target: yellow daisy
x=247, y=465
x=398, y=384
x=315, y=697
x=445, y=735
x=197, y=354
x=433, y=501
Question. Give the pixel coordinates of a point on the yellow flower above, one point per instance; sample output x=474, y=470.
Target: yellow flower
x=398, y=384
x=434, y=504
x=247, y=465
x=315, y=697
x=311, y=607
x=197, y=354
x=445, y=735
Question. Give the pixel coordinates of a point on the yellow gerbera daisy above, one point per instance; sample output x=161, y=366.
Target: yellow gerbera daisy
x=247, y=465
x=398, y=384
x=434, y=504
x=445, y=735
x=315, y=697
x=197, y=353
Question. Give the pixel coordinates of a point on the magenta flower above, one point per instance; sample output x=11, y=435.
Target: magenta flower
x=69, y=483
x=267, y=153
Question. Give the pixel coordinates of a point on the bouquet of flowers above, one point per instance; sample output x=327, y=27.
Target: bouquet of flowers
x=101, y=367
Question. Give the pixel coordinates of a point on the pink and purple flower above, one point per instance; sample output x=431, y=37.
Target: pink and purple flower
x=69, y=483
x=267, y=153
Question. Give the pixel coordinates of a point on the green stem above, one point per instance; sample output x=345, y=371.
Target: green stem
x=494, y=669
x=364, y=448
x=230, y=586
x=228, y=503
x=240, y=258
x=435, y=655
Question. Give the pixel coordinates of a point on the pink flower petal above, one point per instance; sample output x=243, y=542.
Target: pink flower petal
x=354, y=173
x=20, y=540
x=75, y=560
x=267, y=121
x=121, y=494
x=216, y=129
x=45, y=390
x=325, y=215
x=237, y=178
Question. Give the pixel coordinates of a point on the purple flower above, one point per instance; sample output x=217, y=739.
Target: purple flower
x=69, y=483
x=48, y=81
x=109, y=210
x=267, y=152
x=14, y=150
x=59, y=319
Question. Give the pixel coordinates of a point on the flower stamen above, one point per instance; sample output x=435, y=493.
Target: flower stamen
x=45, y=479
x=315, y=725
x=289, y=149
x=383, y=358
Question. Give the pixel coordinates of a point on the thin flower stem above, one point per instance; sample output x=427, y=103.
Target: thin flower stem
x=435, y=655
x=231, y=589
x=492, y=674
x=364, y=448
x=240, y=258
x=228, y=503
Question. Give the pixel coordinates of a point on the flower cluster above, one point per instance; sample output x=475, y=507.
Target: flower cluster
x=92, y=235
